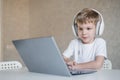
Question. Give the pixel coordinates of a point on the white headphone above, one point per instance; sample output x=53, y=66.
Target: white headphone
x=99, y=26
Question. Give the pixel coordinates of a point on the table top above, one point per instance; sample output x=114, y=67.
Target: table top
x=100, y=75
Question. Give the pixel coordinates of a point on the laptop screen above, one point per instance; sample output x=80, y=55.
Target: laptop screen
x=42, y=55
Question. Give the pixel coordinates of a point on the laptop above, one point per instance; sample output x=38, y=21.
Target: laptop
x=42, y=55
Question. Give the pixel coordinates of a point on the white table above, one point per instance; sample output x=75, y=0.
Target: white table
x=100, y=75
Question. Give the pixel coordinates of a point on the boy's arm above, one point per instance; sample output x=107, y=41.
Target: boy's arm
x=97, y=64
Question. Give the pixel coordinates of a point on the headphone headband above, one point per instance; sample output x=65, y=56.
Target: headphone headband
x=99, y=26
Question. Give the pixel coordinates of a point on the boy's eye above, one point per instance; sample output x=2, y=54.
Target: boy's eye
x=89, y=28
x=80, y=29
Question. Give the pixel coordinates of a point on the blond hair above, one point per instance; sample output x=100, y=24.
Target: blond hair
x=87, y=16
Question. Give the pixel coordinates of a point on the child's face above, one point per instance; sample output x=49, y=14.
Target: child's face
x=86, y=32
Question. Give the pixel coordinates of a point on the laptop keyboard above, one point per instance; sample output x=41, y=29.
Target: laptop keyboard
x=85, y=71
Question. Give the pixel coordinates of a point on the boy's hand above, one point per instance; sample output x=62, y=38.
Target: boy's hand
x=72, y=65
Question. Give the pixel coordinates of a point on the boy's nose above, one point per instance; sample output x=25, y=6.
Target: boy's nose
x=84, y=32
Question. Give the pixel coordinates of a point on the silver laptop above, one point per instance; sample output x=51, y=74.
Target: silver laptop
x=42, y=55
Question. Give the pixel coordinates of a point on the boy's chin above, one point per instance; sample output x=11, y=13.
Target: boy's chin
x=86, y=42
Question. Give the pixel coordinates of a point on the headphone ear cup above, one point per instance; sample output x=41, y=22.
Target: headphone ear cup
x=101, y=27
x=100, y=24
x=98, y=28
x=75, y=30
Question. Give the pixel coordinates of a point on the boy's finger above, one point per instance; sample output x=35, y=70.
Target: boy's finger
x=70, y=63
x=74, y=63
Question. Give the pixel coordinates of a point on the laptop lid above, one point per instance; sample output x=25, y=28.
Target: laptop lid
x=42, y=55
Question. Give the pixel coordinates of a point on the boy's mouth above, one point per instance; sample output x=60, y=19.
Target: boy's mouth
x=84, y=37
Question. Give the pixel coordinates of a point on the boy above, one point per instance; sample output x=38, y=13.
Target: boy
x=87, y=51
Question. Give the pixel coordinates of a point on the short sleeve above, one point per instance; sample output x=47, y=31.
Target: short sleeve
x=70, y=50
x=101, y=48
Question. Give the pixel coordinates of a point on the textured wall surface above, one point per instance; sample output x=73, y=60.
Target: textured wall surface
x=15, y=25
x=35, y=18
x=1, y=30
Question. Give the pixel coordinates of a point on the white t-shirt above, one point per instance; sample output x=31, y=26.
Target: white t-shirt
x=86, y=52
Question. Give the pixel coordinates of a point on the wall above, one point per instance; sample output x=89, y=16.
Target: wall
x=15, y=25
x=0, y=30
x=35, y=18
